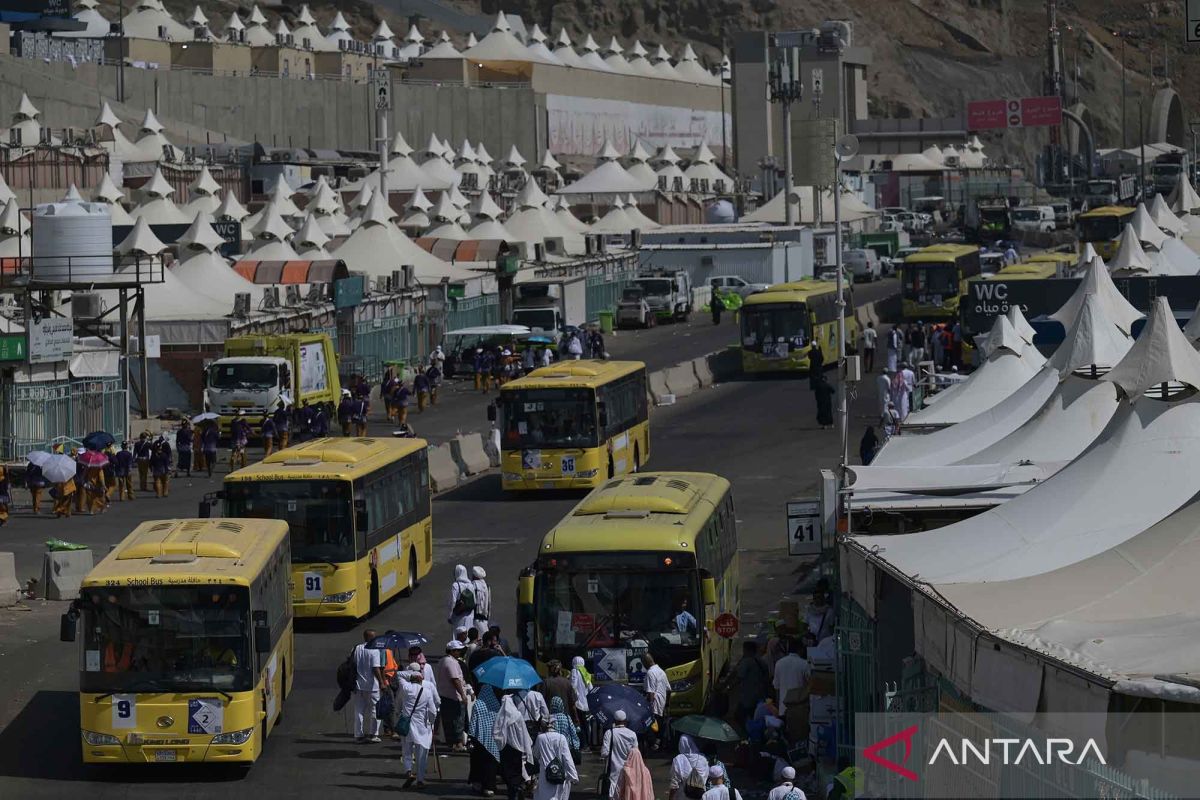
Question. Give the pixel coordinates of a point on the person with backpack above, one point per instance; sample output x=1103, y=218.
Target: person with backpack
x=416, y=710
x=787, y=790
x=556, y=768
x=483, y=599
x=689, y=771
x=368, y=680
x=461, y=612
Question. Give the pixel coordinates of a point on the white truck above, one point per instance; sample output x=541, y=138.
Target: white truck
x=550, y=305
x=669, y=294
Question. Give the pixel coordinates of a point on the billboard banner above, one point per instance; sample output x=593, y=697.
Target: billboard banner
x=580, y=125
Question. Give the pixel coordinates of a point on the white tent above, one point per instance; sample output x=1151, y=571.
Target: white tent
x=662, y=65
x=639, y=220
x=773, y=211
x=14, y=231
x=562, y=211
x=538, y=50
x=590, y=57
x=108, y=193
x=1130, y=257
x=689, y=69
x=1165, y=218
x=339, y=31
x=485, y=212
x=1143, y=225
x=1183, y=198
x=615, y=220
x=614, y=60
x=26, y=124
x=270, y=236
x=377, y=248
x=607, y=179
x=140, y=241
x=704, y=168
x=148, y=18
x=533, y=222
x=231, y=209
x=257, y=34
x=203, y=269
x=639, y=64
x=444, y=49
x=97, y=25
x=1097, y=281
x=308, y=30
x=564, y=51
x=203, y=195
x=173, y=299
x=156, y=207
x=501, y=45
x=310, y=240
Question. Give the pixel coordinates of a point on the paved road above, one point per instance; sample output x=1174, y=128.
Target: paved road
x=760, y=434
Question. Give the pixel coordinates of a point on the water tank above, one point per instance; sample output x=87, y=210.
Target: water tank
x=720, y=212
x=72, y=241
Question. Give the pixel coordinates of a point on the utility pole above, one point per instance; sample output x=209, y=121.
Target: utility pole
x=381, y=90
x=785, y=88
x=1124, y=126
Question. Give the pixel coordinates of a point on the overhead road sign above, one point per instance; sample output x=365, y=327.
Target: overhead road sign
x=1014, y=112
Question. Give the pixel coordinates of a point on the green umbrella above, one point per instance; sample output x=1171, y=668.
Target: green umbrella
x=710, y=728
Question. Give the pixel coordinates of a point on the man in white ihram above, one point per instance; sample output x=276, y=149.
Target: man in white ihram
x=657, y=687
x=483, y=599
x=787, y=790
x=618, y=743
x=368, y=677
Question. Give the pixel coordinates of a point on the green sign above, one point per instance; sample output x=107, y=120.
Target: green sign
x=456, y=291
x=348, y=292
x=12, y=347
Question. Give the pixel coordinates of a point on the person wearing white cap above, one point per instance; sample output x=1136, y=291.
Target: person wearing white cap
x=416, y=704
x=618, y=743
x=786, y=790
x=483, y=599
x=452, y=690
x=717, y=789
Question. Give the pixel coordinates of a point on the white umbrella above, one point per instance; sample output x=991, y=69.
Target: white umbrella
x=38, y=457
x=207, y=415
x=58, y=468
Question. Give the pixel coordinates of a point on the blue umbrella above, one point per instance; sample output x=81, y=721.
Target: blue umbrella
x=98, y=440
x=606, y=700
x=397, y=641
x=506, y=672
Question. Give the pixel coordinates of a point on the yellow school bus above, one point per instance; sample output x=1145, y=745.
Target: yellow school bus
x=360, y=516
x=780, y=326
x=187, y=643
x=934, y=279
x=645, y=563
x=1103, y=227
x=573, y=425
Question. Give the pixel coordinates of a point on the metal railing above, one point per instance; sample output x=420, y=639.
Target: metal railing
x=37, y=416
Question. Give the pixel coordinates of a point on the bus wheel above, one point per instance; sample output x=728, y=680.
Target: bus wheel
x=637, y=459
x=374, y=593
x=412, y=574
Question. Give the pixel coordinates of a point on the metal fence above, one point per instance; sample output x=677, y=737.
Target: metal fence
x=603, y=291
x=469, y=312
x=390, y=339
x=857, y=673
x=37, y=416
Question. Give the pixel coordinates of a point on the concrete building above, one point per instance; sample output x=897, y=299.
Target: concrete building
x=756, y=253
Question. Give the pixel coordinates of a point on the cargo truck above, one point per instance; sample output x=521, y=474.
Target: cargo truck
x=669, y=294
x=258, y=373
x=550, y=305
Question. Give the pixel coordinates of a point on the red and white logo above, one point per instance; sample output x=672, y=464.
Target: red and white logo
x=872, y=753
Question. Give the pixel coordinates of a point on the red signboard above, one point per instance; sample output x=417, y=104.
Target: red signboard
x=1041, y=111
x=726, y=625
x=1014, y=112
x=984, y=115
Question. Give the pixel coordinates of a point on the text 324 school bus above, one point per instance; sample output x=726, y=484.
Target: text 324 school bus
x=573, y=425
x=643, y=564
x=187, y=651
x=360, y=517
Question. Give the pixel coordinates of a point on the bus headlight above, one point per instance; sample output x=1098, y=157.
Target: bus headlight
x=233, y=737
x=340, y=597
x=96, y=739
x=685, y=685
x=590, y=473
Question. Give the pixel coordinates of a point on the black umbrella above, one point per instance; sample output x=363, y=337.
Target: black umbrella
x=98, y=440
x=606, y=700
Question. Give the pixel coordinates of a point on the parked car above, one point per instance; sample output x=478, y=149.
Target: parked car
x=732, y=283
x=1033, y=219
x=863, y=264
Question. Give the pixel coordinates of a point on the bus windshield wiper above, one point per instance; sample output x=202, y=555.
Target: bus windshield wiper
x=147, y=684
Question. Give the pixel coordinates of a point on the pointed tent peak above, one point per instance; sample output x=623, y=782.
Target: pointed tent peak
x=205, y=184
x=445, y=210
x=26, y=109
x=281, y=28
x=1165, y=218
x=197, y=18
x=150, y=123
x=639, y=154
x=235, y=23
x=1191, y=330
x=660, y=55
x=485, y=207
x=514, y=157
x=1092, y=340
x=400, y=146
x=667, y=155
x=270, y=225
x=72, y=195
x=108, y=191
x=465, y=152
x=200, y=235
x=6, y=193
x=637, y=50
x=12, y=221
x=256, y=17
x=1161, y=354
x=414, y=35
x=305, y=17
x=383, y=33
x=1147, y=230
x=614, y=47
x=363, y=198
x=589, y=44
x=1183, y=199
x=86, y=4
x=1086, y=255
x=1020, y=324
x=1130, y=255
x=471, y=40
x=1097, y=281
x=617, y=202
x=704, y=155
x=563, y=39
x=536, y=35
x=140, y=241
x=325, y=200
x=157, y=186
x=310, y=236
x=456, y=198
x=282, y=190
x=434, y=147
x=482, y=154
x=688, y=53
x=418, y=201
x=549, y=162
x=230, y=208
x=377, y=211
x=501, y=24
x=443, y=37
x=339, y=23
x=107, y=117
x=531, y=196
x=1002, y=338
x=608, y=152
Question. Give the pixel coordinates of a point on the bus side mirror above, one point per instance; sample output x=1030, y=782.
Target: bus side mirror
x=708, y=591
x=525, y=590
x=66, y=626
x=491, y=412
x=262, y=632
x=602, y=414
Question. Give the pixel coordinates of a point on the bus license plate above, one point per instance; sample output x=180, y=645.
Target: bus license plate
x=165, y=756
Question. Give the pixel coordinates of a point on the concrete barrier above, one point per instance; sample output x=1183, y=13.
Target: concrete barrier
x=63, y=571
x=10, y=587
x=658, y=386
x=725, y=365
x=681, y=379
x=443, y=469
x=491, y=446
x=703, y=373
x=468, y=452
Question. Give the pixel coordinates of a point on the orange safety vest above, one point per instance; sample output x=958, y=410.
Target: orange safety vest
x=115, y=663
x=390, y=665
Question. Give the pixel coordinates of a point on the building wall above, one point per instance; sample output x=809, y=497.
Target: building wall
x=5, y=33
x=777, y=262
x=320, y=113
x=220, y=57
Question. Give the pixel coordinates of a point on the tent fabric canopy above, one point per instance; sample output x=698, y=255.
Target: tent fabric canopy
x=291, y=272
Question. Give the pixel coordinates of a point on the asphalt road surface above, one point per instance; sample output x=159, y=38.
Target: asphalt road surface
x=761, y=434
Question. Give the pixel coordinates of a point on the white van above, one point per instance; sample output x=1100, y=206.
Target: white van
x=863, y=264
x=1034, y=219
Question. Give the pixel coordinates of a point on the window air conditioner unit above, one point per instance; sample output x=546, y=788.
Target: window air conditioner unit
x=316, y=294
x=294, y=297
x=44, y=135
x=280, y=39
x=168, y=152
x=270, y=297
x=341, y=44
x=241, y=304
x=662, y=183
x=410, y=276
x=291, y=40
x=189, y=154
x=554, y=246
x=719, y=187
x=678, y=183
x=635, y=238
x=589, y=244
x=162, y=31
x=14, y=137
x=539, y=251
x=86, y=305
x=601, y=244
x=307, y=42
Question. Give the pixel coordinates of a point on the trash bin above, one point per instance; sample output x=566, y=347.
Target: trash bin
x=606, y=321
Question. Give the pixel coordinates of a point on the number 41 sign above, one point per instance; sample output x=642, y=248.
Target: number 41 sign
x=804, y=527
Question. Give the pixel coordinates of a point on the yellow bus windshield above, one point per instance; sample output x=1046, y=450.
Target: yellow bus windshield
x=1101, y=228
x=319, y=514
x=548, y=418
x=162, y=638
x=619, y=600
x=768, y=324
x=930, y=279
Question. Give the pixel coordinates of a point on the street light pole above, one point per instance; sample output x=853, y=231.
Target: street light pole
x=1124, y=126
x=783, y=83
